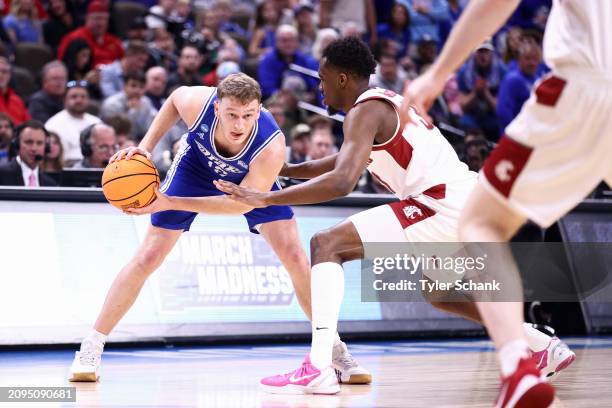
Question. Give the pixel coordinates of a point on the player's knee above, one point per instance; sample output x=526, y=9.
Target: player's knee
x=147, y=261
x=294, y=255
x=322, y=246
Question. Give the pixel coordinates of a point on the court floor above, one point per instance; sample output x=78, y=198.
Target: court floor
x=459, y=373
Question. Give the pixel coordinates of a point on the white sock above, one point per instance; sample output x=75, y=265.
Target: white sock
x=327, y=291
x=510, y=355
x=537, y=340
x=95, y=340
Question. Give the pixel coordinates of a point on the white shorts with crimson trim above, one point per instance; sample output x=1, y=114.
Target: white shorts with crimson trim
x=557, y=150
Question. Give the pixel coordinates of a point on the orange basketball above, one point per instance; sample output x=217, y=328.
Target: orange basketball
x=130, y=183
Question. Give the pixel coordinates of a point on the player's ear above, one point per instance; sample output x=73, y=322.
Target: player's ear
x=342, y=80
x=216, y=107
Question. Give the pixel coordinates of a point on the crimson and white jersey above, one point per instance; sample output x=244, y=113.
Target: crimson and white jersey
x=579, y=34
x=417, y=157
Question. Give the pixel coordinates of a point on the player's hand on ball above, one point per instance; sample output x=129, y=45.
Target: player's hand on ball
x=127, y=153
x=161, y=203
x=245, y=195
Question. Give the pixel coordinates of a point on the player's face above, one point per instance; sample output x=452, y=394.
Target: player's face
x=236, y=119
x=330, y=85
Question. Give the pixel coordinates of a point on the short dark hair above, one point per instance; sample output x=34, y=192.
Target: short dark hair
x=134, y=75
x=352, y=55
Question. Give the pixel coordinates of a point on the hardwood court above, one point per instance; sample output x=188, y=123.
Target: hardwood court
x=406, y=374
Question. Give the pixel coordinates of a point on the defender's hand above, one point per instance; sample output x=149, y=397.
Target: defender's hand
x=244, y=195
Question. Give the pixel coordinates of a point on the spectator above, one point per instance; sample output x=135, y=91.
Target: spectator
x=223, y=14
x=156, y=80
x=336, y=13
x=476, y=149
x=137, y=31
x=274, y=66
x=160, y=14
x=389, y=74
x=307, y=30
x=511, y=44
x=324, y=37
x=279, y=112
x=54, y=157
x=454, y=12
x=122, y=126
x=531, y=14
x=162, y=50
x=426, y=16
x=516, y=85
x=266, y=23
x=189, y=63
x=69, y=122
x=10, y=102
x=299, y=144
x=6, y=134
x=228, y=56
x=427, y=49
x=105, y=47
x=50, y=99
x=98, y=144
x=132, y=101
x=78, y=60
x=398, y=29
x=27, y=150
x=479, y=81
x=22, y=25
x=111, y=75
x=318, y=122
x=321, y=145
x=61, y=21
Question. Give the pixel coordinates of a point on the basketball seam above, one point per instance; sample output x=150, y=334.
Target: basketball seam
x=130, y=175
x=135, y=194
x=146, y=164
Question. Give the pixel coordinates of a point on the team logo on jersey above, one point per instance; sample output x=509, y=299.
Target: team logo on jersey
x=216, y=164
x=503, y=170
x=412, y=211
x=200, y=135
x=204, y=127
x=243, y=164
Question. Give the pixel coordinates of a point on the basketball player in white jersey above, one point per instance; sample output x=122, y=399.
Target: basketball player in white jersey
x=555, y=152
x=415, y=162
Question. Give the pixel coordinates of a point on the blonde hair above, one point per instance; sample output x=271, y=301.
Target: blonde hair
x=239, y=86
x=16, y=9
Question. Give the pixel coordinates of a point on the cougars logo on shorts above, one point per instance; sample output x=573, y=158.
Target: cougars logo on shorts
x=412, y=212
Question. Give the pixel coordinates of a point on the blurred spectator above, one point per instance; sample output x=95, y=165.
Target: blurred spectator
x=279, y=112
x=479, y=81
x=184, y=14
x=156, y=80
x=398, y=28
x=10, y=102
x=223, y=13
x=511, y=44
x=389, y=74
x=98, y=144
x=27, y=151
x=189, y=63
x=476, y=149
x=383, y=10
x=162, y=50
x=105, y=47
x=69, y=122
x=111, y=75
x=6, y=134
x=455, y=9
x=324, y=37
x=137, y=31
x=50, y=99
x=516, y=85
x=318, y=122
x=285, y=10
x=227, y=60
x=54, y=157
x=274, y=66
x=122, y=126
x=133, y=102
x=61, y=21
x=336, y=13
x=307, y=29
x=299, y=144
x=531, y=14
x=23, y=25
x=78, y=60
x=427, y=49
x=266, y=23
x=426, y=16
x=321, y=145
x=160, y=14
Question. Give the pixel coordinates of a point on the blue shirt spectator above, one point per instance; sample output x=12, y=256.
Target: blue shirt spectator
x=454, y=11
x=516, y=85
x=274, y=65
x=25, y=29
x=398, y=28
x=531, y=14
x=426, y=16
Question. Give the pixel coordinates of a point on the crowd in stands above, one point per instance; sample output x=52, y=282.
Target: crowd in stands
x=88, y=77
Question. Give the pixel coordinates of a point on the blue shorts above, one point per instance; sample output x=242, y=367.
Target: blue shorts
x=189, y=180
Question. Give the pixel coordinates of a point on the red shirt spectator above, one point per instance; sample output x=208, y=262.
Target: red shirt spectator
x=105, y=47
x=10, y=102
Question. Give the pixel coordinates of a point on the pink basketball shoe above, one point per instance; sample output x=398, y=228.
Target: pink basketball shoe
x=307, y=379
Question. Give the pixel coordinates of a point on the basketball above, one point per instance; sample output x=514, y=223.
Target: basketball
x=130, y=183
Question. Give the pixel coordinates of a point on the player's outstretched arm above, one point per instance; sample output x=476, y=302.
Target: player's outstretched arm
x=309, y=169
x=360, y=128
x=480, y=19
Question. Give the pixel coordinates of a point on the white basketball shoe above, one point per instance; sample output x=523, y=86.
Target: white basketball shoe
x=347, y=368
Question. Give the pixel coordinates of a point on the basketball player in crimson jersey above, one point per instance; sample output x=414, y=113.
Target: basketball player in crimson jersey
x=415, y=162
x=554, y=153
x=230, y=138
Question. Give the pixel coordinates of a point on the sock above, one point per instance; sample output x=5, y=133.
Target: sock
x=537, y=340
x=94, y=340
x=337, y=339
x=510, y=354
x=327, y=291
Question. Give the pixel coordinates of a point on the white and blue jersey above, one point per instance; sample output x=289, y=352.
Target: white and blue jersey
x=199, y=163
